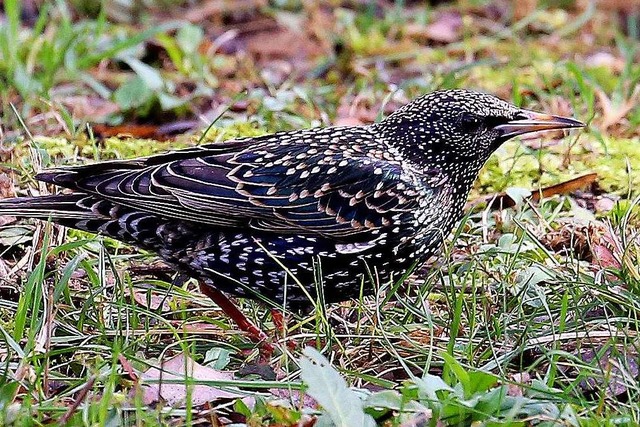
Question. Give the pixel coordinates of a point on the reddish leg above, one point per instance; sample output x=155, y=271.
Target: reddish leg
x=281, y=326
x=240, y=319
x=278, y=321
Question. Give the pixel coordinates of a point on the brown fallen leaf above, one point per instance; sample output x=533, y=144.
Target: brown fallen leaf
x=81, y=397
x=618, y=371
x=592, y=241
x=7, y=219
x=135, y=131
x=503, y=200
x=159, y=133
x=151, y=302
x=606, y=60
x=174, y=394
x=6, y=191
x=569, y=186
x=422, y=419
x=446, y=28
x=218, y=8
x=613, y=113
x=126, y=365
x=520, y=382
x=282, y=43
x=604, y=203
x=91, y=108
x=354, y=112
x=6, y=186
x=524, y=8
x=605, y=249
x=619, y=5
x=572, y=237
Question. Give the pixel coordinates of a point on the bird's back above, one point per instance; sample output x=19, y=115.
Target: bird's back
x=261, y=217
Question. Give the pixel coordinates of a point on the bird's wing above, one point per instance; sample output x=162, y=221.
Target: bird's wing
x=264, y=183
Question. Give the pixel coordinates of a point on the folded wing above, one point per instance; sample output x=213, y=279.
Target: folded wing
x=272, y=184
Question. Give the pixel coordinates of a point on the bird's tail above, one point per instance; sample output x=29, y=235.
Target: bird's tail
x=54, y=207
x=71, y=210
x=88, y=213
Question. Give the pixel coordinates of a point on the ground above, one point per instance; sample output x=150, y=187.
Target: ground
x=529, y=317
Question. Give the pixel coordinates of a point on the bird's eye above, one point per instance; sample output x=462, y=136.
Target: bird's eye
x=470, y=122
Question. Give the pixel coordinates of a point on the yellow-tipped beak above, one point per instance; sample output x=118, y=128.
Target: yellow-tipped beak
x=534, y=122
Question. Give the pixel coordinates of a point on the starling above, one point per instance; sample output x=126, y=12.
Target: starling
x=278, y=216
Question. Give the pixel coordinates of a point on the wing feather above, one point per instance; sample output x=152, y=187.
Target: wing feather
x=272, y=184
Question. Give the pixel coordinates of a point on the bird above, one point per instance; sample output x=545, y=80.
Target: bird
x=291, y=216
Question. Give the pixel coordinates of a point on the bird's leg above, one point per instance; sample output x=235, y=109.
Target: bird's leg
x=280, y=322
x=231, y=310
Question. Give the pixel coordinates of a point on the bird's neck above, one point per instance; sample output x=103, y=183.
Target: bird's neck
x=429, y=155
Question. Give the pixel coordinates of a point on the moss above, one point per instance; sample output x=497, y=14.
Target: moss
x=613, y=161
x=65, y=151
x=234, y=130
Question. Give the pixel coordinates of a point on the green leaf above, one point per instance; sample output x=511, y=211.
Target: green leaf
x=330, y=390
x=148, y=74
x=189, y=38
x=518, y=194
x=429, y=384
x=458, y=370
x=132, y=94
x=10, y=343
x=392, y=400
x=8, y=393
x=15, y=235
x=168, y=102
x=491, y=403
x=240, y=407
x=173, y=50
x=24, y=82
x=122, y=45
x=217, y=358
x=480, y=381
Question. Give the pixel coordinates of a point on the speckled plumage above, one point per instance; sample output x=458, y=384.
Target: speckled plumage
x=260, y=217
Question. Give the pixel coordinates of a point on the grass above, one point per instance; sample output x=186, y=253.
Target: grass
x=531, y=316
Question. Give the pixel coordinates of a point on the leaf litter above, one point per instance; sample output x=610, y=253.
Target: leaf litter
x=369, y=53
x=179, y=378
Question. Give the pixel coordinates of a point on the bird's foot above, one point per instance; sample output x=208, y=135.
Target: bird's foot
x=280, y=322
x=255, y=334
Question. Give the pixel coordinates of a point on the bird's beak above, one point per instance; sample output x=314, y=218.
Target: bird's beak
x=534, y=122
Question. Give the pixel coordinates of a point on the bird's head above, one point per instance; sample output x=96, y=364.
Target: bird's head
x=461, y=128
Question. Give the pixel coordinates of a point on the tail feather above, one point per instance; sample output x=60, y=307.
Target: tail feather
x=55, y=207
x=88, y=213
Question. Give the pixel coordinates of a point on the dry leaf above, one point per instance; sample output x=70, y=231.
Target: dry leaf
x=503, y=200
x=605, y=60
x=175, y=393
x=128, y=130
x=91, y=108
x=524, y=8
x=612, y=114
x=521, y=380
x=446, y=28
x=619, y=5
x=6, y=186
x=218, y=8
x=606, y=248
x=152, y=302
x=603, y=204
x=281, y=43
x=617, y=372
x=6, y=191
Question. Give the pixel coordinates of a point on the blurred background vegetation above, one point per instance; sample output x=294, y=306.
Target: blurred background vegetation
x=532, y=318
x=157, y=69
